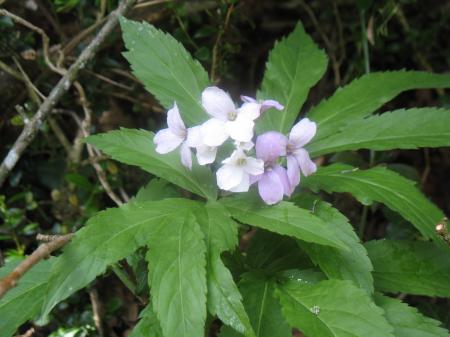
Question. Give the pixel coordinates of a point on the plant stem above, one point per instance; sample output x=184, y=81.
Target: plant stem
x=365, y=45
x=124, y=278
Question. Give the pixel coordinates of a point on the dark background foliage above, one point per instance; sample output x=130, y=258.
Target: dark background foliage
x=48, y=192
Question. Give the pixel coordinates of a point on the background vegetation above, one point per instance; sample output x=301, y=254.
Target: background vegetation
x=57, y=184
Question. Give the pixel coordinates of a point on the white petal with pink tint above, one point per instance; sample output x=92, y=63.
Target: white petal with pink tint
x=243, y=186
x=250, y=110
x=166, y=141
x=206, y=154
x=241, y=129
x=186, y=156
x=304, y=161
x=217, y=103
x=229, y=176
x=214, y=132
x=175, y=123
x=302, y=132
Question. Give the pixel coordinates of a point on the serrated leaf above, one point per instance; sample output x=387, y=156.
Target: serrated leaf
x=23, y=302
x=219, y=229
x=284, y=218
x=177, y=277
x=135, y=147
x=262, y=307
x=295, y=65
x=353, y=265
x=413, y=267
x=155, y=190
x=400, y=129
x=332, y=308
x=165, y=68
x=108, y=237
x=224, y=299
x=408, y=321
x=381, y=185
x=366, y=94
x=148, y=325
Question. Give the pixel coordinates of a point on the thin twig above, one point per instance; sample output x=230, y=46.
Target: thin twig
x=329, y=46
x=215, y=53
x=30, y=130
x=96, y=311
x=85, y=129
x=43, y=251
x=44, y=36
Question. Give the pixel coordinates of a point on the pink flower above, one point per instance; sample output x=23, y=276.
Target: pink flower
x=297, y=157
x=274, y=182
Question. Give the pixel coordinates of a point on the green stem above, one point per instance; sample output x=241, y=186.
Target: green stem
x=123, y=276
x=365, y=45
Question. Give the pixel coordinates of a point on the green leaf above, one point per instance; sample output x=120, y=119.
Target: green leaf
x=108, y=237
x=366, y=94
x=353, y=265
x=413, y=267
x=148, y=325
x=294, y=66
x=135, y=147
x=224, y=299
x=283, y=218
x=165, y=68
x=400, y=129
x=332, y=308
x=155, y=190
x=219, y=229
x=177, y=276
x=381, y=185
x=23, y=302
x=262, y=307
x=407, y=321
x=274, y=253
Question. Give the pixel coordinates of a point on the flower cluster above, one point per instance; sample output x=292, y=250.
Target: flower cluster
x=240, y=170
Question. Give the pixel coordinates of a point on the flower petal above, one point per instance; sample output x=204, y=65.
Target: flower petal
x=250, y=110
x=166, y=141
x=248, y=99
x=270, y=188
x=217, y=103
x=175, y=123
x=186, y=155
x=293, y=172
x=270, y=103
x=254, y=166
x=229, y=176
x=306, y=164
x=270, y=145
x=282, y=175
x=243, y=186
x=194, y=136
x=206, y=154
x=241, y=129
x=244, y=145
x=302, y=132
x=214, y=132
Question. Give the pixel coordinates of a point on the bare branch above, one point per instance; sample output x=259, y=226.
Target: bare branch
x=30, y=130
x=43, y=251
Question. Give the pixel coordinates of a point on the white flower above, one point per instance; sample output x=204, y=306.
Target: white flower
x=205, y=154
x=227, y=120
x=176, y=134
x=234, y=175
